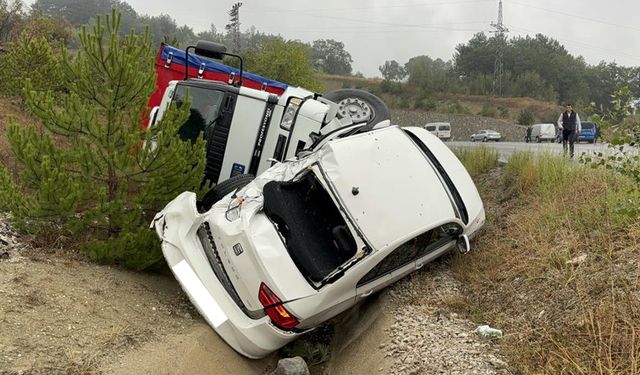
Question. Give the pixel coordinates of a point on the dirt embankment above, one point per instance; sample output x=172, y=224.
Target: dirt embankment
x=462, y=126
x=60, y=315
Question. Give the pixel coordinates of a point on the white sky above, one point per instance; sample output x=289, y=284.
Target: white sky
x=375, y=30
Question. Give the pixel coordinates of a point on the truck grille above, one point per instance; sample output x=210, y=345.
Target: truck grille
x=210, y=249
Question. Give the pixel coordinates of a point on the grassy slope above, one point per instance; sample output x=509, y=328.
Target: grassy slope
x=543, y=111
x=557, y=267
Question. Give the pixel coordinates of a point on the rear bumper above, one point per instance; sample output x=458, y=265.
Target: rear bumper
x=177, y=226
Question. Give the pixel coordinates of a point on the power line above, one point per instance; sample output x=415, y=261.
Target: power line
x=556, y=12
x=414, y=5
x=370, y=22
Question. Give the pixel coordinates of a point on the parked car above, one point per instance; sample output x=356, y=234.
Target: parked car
x=543, y=132
x=441, y=130
x=486, y=135
x=588, y=133
x=265, y=260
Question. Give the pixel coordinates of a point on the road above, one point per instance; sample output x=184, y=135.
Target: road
x=506, y=149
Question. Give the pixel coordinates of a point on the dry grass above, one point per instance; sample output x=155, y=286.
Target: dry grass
x=558, y=269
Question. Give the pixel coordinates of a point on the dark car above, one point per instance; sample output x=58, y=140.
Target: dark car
x=588, y=133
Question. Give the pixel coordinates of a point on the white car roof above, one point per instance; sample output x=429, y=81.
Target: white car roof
x=399, y=194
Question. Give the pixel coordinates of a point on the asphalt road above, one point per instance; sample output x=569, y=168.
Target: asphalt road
x=506, y=149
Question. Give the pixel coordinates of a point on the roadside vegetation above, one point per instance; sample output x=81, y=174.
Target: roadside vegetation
x=478, y=161
x=556, y=267
x=83, y=175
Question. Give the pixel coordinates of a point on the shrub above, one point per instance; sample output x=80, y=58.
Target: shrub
x=391, y=87
x=33, y=59
x=457, y=108
x=525, y=117
x=425, y=104
x=488, y=110
x=503, y=111
x=85, y=169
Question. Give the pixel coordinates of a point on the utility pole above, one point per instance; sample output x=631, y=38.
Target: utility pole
x=500, y=31
x=233, y=27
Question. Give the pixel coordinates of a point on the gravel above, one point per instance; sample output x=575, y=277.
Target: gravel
x=427, y=338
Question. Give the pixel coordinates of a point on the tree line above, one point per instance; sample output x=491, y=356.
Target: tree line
x=534, y=66
x=538, y=67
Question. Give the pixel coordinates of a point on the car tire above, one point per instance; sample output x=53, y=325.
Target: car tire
x=222, y=189
x=537, y=139
x=360, y=105
x=473, y=139
x=484, y=139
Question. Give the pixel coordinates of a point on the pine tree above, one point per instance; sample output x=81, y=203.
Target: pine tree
x=87, y=168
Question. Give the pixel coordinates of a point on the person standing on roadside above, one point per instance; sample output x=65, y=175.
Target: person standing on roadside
x=570, y=126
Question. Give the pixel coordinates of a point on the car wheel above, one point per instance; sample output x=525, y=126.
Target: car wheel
x=484, y=139
x=537, y=139
x=360, y=106
x=473, y=139
x=222, y=189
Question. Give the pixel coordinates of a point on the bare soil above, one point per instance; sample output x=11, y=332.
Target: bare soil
x=64, y=315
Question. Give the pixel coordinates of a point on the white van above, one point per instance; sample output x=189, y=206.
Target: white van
x=543, y=132
x=441, y=130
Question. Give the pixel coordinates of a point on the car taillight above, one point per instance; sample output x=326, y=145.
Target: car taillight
x=274, y=308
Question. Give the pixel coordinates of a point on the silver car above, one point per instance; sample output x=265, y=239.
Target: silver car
x=486, y=135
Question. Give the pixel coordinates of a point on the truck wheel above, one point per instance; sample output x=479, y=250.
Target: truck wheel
x=222, y=189
x=360, y=105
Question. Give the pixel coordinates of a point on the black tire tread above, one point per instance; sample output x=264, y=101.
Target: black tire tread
x=222, y=189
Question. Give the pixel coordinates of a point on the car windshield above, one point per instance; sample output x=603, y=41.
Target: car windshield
x=445, y=127
x=588, y=125
x=310, y=224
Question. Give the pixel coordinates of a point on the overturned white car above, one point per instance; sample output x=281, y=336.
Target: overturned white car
x=310, y=237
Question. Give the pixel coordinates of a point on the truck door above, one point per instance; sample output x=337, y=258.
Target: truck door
x=211, y=112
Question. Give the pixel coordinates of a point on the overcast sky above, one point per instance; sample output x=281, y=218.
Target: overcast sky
x=375, y=30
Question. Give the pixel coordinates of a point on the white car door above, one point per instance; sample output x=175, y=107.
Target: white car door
x=390, y=269
x=436, y=242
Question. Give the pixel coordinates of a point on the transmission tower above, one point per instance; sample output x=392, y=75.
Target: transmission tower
x=500, y=31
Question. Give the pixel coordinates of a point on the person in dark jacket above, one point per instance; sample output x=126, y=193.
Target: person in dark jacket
x=570, y=126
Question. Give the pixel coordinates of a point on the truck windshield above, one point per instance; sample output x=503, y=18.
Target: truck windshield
x=204, y=110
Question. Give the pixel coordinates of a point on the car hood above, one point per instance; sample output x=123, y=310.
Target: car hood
x=386, y=185
x=456, y=171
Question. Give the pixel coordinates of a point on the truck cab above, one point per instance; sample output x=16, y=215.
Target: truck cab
x=248, y=129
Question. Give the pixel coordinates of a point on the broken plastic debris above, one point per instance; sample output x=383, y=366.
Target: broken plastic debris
x=486, y=331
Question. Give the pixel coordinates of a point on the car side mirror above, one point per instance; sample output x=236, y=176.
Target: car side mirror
x=463, y=244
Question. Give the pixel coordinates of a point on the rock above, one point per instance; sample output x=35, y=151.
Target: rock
x=577, y=260
x=291, y=366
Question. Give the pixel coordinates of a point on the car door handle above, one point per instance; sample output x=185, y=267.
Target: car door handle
x=420, y=265
x=367, y=293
